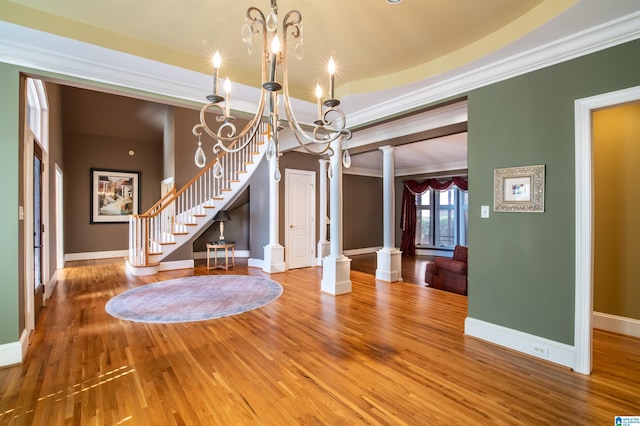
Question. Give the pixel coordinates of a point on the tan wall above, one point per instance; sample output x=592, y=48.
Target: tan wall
x=616, y=140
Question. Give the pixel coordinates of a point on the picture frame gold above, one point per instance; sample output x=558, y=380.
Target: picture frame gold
x=519, y=189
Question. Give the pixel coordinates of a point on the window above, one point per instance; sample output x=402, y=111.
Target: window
x=37, y=117
x=442, y=218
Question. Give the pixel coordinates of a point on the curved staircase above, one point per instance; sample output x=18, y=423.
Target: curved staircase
x=182, y=214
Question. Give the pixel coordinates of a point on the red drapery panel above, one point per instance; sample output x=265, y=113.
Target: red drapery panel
x=408, y=218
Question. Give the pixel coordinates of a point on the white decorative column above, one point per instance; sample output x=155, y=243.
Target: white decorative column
x=336, y=268
x=389, y=257
x=274, y=252
x=323, y=244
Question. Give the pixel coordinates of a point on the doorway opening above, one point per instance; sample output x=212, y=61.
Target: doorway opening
x=584, y=206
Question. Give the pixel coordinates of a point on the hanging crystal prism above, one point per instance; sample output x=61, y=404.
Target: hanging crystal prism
x=277, y=176
x=299, y=52
x=346, y=159
x=246, y=33
x=247, y=37
x=272, y=22
x=217, y=169
x=271, y=149
x=330, y=171
x=200, y=159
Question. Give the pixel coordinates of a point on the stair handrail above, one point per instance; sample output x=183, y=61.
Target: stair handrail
x=140, y=231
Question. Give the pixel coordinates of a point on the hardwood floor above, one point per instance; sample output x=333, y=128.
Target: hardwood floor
x=387, y=353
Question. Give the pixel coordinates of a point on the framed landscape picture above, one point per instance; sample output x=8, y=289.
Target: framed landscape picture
x=519, y=189
x=115, y=194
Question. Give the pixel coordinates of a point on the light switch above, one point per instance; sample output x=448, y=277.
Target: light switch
x=484, y=212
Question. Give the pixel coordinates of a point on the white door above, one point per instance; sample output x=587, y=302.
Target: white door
x=300, y=218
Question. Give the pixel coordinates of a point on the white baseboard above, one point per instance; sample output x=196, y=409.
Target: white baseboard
x=616, y=324
x=13, y=353
x=95, y=255
x=539, y=347
x=256, y=263
x=203, y=254
x=176, y=264
x=365, y=250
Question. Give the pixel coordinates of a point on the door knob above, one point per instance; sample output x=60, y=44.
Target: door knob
x=291, y=226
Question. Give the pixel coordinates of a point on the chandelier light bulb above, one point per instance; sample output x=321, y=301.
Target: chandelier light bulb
x=275, y=44
x=316, y=140
x=217, y=61
x=332, y=71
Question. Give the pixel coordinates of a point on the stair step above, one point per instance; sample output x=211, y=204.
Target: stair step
x=179, y=233
x=248, y=163
x=199, y=215
x=242, y=172
x=218, y=198
x=234, y=181
x=255, y=153
x=167, y=243
x=226, y=189
x=209, y=207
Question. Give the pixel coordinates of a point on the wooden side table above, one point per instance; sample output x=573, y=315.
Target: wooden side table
x=221, y=245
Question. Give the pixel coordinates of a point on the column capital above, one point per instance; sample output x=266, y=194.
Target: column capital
x=387, y=148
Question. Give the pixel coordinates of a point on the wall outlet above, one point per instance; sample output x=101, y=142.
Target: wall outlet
x=541, y=351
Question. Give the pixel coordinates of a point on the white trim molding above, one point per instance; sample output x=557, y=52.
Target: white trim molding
x=539, y=347
x=364, y=250
x=584, y=219
x=14, y=353
x=69, y=257
x=617, y=324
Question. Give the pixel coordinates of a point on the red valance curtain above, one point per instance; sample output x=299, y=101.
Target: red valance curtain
x=408, y=218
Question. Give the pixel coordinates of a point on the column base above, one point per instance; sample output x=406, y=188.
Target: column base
x=389, y=265
x=274, y=259
x=336, y=275
x=323, y=251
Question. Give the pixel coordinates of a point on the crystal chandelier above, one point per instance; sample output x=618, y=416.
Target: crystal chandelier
x=329, y=125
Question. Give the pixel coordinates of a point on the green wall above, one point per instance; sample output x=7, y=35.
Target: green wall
x=9, y=165
x=522, y=265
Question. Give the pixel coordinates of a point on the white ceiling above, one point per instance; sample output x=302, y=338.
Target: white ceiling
x=441, y=154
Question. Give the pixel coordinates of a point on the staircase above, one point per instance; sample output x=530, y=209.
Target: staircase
x=181, y=215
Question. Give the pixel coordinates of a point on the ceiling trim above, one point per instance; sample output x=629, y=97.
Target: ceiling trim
x=460, y=81
x=49, y=53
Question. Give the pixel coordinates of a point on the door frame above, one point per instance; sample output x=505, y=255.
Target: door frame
x=311, y=208
x=59, y=218
x=583, y=335
x=29, y=284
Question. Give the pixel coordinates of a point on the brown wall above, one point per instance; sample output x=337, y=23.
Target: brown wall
x=362, y=212
x=616, y=144
x=55, y=158
x=98, y=132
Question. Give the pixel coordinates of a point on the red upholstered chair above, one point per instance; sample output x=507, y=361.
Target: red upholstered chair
x=449, y=274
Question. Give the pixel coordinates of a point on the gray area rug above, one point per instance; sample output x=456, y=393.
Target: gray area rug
x=193, y=298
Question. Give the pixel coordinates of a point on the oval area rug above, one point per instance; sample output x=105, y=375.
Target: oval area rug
x=193, y=298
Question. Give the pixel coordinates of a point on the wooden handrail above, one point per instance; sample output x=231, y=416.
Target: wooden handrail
x=167, y=195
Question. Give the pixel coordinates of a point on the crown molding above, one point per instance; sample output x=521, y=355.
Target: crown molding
x=83, y=62
x=465, y=79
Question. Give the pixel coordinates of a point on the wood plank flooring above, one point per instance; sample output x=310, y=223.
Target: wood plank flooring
x=385, y=354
